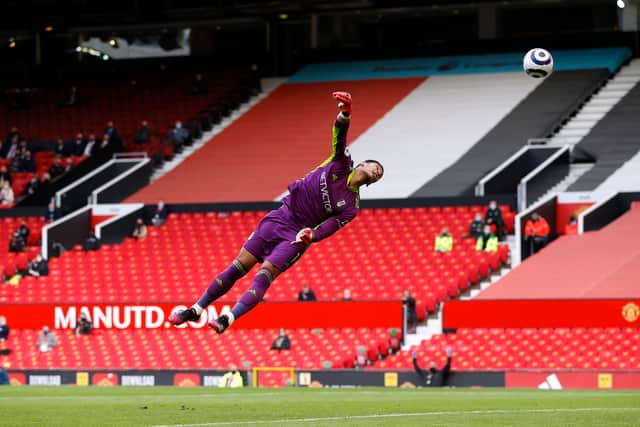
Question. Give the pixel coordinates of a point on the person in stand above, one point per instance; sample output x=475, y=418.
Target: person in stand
x=409, y=302
x=571, y=229
x=306, y=294
x=47, y=340
x=536, y=232
x=83, y=325
x=160, y=214
x=282, y=341
x=493, y=217
x=433, y=377
x=143, y=134
x=444, y=241
x=39, y=267
x=140, y=230
x=488, y=242
x=476, y=228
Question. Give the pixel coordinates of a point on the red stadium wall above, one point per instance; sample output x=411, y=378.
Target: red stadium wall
x=586, y=313
x=268, y=315
x=279, y=140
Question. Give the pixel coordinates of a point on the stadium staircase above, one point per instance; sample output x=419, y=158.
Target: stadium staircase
x=544, y=348
x=268, y=85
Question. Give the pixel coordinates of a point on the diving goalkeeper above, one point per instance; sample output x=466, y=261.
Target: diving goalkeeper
x=317, y=206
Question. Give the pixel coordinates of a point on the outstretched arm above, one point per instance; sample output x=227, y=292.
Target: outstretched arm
x=340, y=128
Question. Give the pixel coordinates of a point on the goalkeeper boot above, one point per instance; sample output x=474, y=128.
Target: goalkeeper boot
x=179, y=317
x=222, y=323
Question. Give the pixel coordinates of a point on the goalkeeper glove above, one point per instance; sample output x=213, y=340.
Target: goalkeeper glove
x=304, y=236
x=344, y=101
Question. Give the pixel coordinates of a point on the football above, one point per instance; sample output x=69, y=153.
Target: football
x=538, y=63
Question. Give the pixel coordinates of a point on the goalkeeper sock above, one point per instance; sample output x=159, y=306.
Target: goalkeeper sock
x=221, y=284
x=254, y=294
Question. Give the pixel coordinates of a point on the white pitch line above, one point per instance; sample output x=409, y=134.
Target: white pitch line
x=399, y=415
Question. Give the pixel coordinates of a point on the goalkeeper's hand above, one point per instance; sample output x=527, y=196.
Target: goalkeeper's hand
x=304, y=236
x=344, y=101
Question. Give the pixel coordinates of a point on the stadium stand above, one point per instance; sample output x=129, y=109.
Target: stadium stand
x=617, y=126
x=176, y=260
x=536, y=116
x=112, y=350
x=599, y=264
x=544, y=348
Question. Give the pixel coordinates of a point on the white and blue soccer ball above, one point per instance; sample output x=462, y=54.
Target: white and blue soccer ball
x=538, y=63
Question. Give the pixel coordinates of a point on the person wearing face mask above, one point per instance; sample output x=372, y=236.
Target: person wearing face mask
x=493, y=216
x=178, y=136
x=433, y=377
x=47, y=340
x=487, y=242
x=477, y=226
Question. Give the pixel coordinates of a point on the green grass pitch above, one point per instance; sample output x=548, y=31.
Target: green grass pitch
x=201, y=407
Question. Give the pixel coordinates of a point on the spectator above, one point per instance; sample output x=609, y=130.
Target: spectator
x=143, y=134
x=536, y=232
x=4, y=335
x=112, y=132
x=199, y=85
x=39, y=267
x=306, y=294
x=32, y=186
x=14, y=163
x=444, y=241
x=160, y=215
x=91, y=243
x=394, y=342
x=83, y=325
x=11, y=148
x=140, y=230
x=45, y=178
x=282, y=341
x=178, y=136
x=346, y=295
x=232, y=378
x=69, y=165
x=4, y=329
x=51, y=214
x=433, y=377
x=90, y=147
x=571, y=229
x=56, y=168
x=16, y=243
x=27, y=164
x=23, y=230
x=477, y=226
x=493, y=216
x=14, y=132
x=105, y=142
x=410, y=304
x=6, y=194
x=77, y=146
x=60, y=148
x=5, y=175
x=488, y=242
x=361, y=358
x=47, y=340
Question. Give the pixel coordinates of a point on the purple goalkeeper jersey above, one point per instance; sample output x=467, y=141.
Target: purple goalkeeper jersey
x=322, y=199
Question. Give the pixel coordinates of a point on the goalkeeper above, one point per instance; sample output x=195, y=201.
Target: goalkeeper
x=317, y=206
